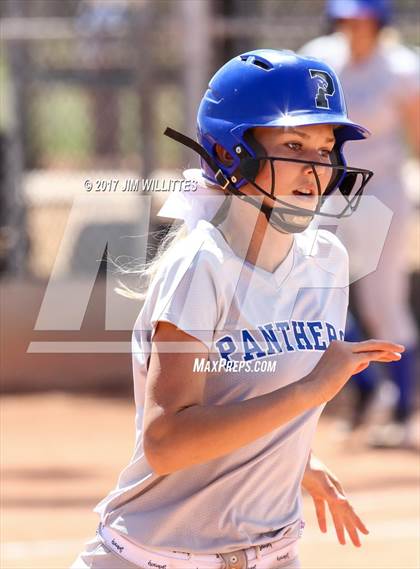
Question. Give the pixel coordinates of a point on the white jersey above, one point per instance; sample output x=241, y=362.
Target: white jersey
x=286, y=319
x=375, y=88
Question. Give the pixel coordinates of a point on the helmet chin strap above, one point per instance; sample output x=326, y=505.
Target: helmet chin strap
x=282, y=219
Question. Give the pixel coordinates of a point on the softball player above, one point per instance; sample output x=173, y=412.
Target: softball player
x=381, y=82
x=223, y=439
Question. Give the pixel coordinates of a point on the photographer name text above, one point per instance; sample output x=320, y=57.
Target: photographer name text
x=139, y=185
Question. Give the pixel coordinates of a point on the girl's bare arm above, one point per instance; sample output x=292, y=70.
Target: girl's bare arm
x=179, y=431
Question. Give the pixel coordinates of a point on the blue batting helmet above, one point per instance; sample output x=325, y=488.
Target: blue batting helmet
x=269, y=88
x=265, y=88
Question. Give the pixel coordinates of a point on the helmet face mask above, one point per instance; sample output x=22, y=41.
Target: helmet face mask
x=269, y=88
x=290, y=218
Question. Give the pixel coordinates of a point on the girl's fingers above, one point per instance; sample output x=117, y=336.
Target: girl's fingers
x=356, y=520
x=339, y=527
x=376, y=345
x=377, y=356
x=345, y=518
x=359, y=524
x=354, y=524
x=389, y=356
x=320, y=514
x=351, y=530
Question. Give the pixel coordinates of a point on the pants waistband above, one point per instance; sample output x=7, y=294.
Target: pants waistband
x=142, y=556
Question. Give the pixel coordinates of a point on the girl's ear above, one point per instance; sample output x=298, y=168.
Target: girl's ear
x=223, y=155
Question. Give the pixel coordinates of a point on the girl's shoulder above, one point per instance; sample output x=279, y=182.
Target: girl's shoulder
x=200, y=251
x=185, y=288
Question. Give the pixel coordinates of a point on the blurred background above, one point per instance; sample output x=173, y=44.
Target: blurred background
x=87, y=88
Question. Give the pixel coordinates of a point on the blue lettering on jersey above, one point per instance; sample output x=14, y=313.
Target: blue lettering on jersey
x=251, y=346
x=316, y=331
x=284, y=327
x=270, y=338
x=301, y=338
x=332, y=334
x=226, y=347
x=279, y=337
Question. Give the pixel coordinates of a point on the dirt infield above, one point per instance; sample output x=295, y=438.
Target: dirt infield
x=62, y=453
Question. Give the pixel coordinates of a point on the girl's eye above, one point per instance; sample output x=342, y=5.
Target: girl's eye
x=297, y=147
x=325, y=153
x=293, y=145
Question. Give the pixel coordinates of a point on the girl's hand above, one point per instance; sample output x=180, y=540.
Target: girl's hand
x=342, y=359
x=325, y=489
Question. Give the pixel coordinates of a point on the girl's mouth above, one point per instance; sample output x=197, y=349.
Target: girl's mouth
x=305, y=192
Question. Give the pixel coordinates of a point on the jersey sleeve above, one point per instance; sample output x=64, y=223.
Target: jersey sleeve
x=186, y=297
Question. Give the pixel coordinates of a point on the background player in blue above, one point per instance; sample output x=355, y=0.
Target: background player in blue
x=223, y=445
x=381, y=80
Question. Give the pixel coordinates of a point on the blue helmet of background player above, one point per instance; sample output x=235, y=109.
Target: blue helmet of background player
x=270, y=88
x=380, y=10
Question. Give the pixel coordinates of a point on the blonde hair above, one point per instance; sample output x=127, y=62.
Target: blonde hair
x=148, y=270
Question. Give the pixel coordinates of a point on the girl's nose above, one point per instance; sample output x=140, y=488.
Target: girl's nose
x=309, y=168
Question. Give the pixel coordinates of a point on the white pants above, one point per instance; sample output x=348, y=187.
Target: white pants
x=97, y=556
